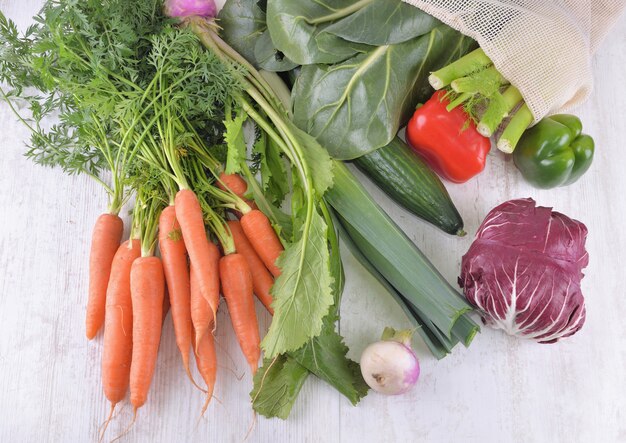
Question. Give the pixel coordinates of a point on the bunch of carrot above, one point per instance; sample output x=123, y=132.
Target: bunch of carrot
x=127, y=282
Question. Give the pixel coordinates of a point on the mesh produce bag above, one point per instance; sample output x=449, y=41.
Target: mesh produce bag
x=543, y=47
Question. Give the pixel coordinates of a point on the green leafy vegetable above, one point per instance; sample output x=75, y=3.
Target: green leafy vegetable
x=268, y=57
x=383, y=23
x=245, y=29
x=299, y=293
x=357, y=106
x=317, y=158
x=243, y=23
x=324, y=356
x=295, y=28
x=274, y=178
x=234, y=137
x=397, y=258
x=277, y=384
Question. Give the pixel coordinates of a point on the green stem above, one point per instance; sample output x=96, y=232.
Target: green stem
x=218, y=226
x=279, y=88
x=146, y=216
x=341, y=13
x=115, y=193
x=168, y=138
x=498, y=109
x=210, y=39
x=100, y=66
x=196, y=143
x=472, y=62
x=514, y=130
x=459, y=100
x=267, y=127
x=295, y=149
x=259, y=196
x=483, y=82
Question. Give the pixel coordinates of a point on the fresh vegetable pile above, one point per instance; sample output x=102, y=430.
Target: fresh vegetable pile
x=169, y=133
x=229, y=140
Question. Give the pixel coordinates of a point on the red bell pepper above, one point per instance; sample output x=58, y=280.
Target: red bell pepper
x=447, y=140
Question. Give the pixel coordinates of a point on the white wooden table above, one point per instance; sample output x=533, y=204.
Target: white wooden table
x=501, y=389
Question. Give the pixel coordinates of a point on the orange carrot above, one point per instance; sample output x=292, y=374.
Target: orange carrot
x=206, y=361
x=232, y=182
x=238, y=186
x=263, y=238
x=118, y=324
x=262, y=280
x=200, y=311
x=174, y=256
x=105, y=240
x=238, y=292
x=147, y=284
x=201, y=254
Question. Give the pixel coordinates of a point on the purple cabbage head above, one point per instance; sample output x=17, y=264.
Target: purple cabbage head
x=523, y=271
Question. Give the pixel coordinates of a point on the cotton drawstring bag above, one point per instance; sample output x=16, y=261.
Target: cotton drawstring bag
x=542, y=47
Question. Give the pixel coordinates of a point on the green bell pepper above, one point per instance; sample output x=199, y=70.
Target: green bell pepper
x=554, y=152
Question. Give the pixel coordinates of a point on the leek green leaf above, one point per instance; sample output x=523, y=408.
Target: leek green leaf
x=394, y=255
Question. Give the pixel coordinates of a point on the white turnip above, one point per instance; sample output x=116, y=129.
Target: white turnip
x=390, y=366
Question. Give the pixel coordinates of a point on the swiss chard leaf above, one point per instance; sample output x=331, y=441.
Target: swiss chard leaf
x=383, y=23
x=245, y=29
x=242, y=22
x=296, y=25
x=270, y=58
x=357, y=106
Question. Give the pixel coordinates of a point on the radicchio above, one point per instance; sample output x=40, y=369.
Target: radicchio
x=523, y=271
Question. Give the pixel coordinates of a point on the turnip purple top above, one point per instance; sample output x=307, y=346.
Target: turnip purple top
x=523, y=271
x=390, y=366
x=187, y=8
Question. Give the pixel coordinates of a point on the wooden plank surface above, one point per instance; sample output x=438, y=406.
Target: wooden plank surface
x=499, y=390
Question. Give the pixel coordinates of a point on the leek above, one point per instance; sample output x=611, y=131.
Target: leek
x=398, y=260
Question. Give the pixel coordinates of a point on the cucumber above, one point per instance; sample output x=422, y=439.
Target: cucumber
x=404, y=177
